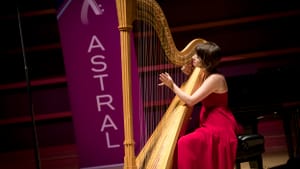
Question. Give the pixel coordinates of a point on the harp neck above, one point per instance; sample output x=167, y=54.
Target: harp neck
x=149, y=11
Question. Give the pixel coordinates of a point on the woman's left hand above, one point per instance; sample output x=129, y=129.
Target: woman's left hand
x=166, y=79
x=187, y=68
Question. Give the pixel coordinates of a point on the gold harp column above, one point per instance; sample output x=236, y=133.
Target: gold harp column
x=126, y=14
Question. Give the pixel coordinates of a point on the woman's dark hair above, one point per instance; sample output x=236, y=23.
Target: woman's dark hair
x=210, y=54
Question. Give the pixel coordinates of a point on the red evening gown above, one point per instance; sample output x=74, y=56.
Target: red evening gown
x=213, y=145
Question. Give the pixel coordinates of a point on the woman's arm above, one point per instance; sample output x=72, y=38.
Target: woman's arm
x=214, y=83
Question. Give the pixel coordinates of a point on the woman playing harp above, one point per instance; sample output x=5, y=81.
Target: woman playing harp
x=213, y=144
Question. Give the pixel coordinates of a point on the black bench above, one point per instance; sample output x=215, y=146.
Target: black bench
x=250, y=149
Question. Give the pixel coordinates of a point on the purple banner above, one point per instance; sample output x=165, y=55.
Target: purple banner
x=91, y=47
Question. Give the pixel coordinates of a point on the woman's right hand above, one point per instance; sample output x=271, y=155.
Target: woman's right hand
x=166, y=80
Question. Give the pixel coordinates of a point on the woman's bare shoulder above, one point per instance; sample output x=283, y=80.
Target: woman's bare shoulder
x=217, y=76
x=220, y=82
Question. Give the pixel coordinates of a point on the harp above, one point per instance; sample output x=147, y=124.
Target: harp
x=158, y=151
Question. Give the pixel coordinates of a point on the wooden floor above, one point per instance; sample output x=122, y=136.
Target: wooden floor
x=66, y=158
x=271, y=159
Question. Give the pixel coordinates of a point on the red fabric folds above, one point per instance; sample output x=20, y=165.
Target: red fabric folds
x=213, y=145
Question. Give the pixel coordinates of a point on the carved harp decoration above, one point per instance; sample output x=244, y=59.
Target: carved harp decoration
x=158, y=151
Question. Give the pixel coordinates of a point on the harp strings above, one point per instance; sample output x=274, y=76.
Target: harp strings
x=152, y=61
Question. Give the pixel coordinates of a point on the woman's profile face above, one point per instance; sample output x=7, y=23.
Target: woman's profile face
x=197, y=62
